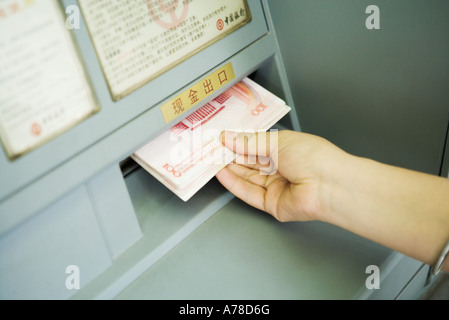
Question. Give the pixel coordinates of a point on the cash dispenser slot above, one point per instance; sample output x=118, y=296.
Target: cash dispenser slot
x=104, y=138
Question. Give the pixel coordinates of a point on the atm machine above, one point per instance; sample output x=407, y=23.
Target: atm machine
x=79, y=219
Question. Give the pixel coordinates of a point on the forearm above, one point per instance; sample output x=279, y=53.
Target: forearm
x=404, y=210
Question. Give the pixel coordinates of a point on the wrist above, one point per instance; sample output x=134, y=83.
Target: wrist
x=342, y=188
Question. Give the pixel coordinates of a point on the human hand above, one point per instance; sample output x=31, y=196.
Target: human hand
x=300, y=187
x=313, y=179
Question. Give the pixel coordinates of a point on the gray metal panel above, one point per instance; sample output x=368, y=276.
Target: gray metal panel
x=165, y=221
x=377, y=93
x=242, y=253
x=114, y=210
x=417, y=285
x=34, y=257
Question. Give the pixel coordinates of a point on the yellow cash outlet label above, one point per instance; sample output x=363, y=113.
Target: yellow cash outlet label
x=197, y=93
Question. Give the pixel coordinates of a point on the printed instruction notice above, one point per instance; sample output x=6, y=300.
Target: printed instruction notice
x=43, y=85
x=138, y=40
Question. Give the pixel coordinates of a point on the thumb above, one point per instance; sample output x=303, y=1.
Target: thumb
x=251, y=143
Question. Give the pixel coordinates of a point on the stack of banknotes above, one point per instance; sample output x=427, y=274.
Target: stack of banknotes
x=188, y=155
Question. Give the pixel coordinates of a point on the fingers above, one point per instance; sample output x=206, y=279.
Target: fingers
x=247, y=174
x=264, y=165
x=262, y=144
x=248, y=192
x=256, y=164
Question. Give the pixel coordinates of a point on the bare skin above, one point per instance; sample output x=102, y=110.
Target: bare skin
x=313, y=179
